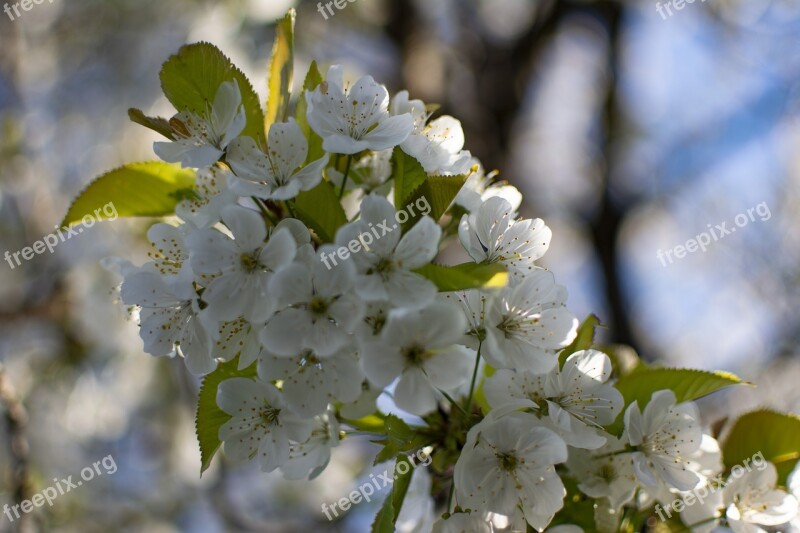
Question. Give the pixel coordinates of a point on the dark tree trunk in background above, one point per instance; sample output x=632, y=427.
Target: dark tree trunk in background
x=608, y=221
x=501, y=72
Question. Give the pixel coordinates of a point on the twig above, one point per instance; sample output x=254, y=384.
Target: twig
x=16, y=421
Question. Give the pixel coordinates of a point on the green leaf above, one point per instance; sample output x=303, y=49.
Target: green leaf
x=687, y=385
x=399, y=438
x=321, y=211
x=157, y=124
x=190, y=80
x=374, y=423
x=281, y=70
x=465, y=276
x=387, y=516
x=408, y=176
x=438, y=192
x=584, y=339
x=398, y=435
x=136, y=190
x=775, y=435
x=210, y=417
x=480, y=395
x=313, y=79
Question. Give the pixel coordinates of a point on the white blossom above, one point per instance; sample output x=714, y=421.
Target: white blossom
x=364, y=405
x=604, y=473
x=212, y=193
x=417, y=513
x=794, y=488
x=353, y=119
x=754, y=499
x=419, y=347
x=706, y=462
x=480, y=186
x=473, y=303
x=575, y=402
x=369, y=174
x=312, y=381
x=169, y=254
x=278, y=174
x=664, y=436
x=317, y=307
x=746, y=502
x=202, y=140
x=527, y=323
x=438, y=144
x=238, y=338
x=375, y=316
x=308, y=459
x=385, y=261
x=508, y=463
x=261, y=424
x=243, y=265
x=492, y=235
x=170, y=318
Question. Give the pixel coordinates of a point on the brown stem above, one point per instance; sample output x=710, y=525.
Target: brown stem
x=16, y=421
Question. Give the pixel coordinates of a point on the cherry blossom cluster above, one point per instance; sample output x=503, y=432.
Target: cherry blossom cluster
x=239, y=275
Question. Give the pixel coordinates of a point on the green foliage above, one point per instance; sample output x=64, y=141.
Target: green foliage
x=190, y=80
x=157, y=124
x=137, y=190
x=411, y=183
x=408, y=176
x=321, y=211
x=313, y=78
x=687, y=384
x=374, y=423
x=480, y=395
x=775, y=435
x=465, y=276
x=312, y=81
x=387, y=516
x=439, y=191
x=210, y=417
x=584, y=339
x=399, y=438
x=281, y=70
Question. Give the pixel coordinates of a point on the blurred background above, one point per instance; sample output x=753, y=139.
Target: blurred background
x=630, y=128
